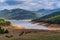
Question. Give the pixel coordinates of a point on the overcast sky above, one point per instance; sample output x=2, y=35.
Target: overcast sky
x=29, y=4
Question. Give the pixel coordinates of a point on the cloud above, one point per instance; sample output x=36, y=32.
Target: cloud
x=2, y=1
x=30, y=4
x=14, y=2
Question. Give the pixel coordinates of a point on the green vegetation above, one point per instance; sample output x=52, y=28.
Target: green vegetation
x=53, y=18
x=3, y=31
x=18, y=14
x=4, y=22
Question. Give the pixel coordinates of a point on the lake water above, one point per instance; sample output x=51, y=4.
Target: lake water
x=28, y=25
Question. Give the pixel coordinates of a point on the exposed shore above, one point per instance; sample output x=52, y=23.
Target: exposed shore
x=13, y=27
x=50, y=26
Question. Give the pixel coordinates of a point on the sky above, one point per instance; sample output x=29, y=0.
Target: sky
x=32, y=5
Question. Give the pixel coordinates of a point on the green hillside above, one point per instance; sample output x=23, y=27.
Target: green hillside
x=53, y=18
x=18, y=14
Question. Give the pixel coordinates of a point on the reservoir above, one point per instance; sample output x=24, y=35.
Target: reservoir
x=27, y=24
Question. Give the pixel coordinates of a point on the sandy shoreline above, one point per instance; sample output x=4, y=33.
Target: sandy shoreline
x=13, y=27
x=17, y=27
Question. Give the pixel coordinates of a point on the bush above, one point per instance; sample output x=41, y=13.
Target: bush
x=4, y=23
x=2, y=31
x=6, y=31
x=7, y=23
x=8, y=36
x=1, y=19
x=21, y=33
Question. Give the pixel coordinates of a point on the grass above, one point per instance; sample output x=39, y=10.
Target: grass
x=55, y=37
x=46, y=35
x=32, y=35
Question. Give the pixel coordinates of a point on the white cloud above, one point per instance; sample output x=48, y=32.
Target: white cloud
x=38, y=4
x=2, y=1
x=32, y=4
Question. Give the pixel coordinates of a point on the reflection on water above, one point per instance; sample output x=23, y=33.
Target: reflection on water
x=28, y=25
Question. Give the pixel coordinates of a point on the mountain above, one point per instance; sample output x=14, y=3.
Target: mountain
x=53, y=18
x=48, y=11
x=18, y=14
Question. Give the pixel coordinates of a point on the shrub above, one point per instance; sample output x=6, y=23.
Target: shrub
x=8, y=36
x=21, y=33
x=3, y=22
x=6, y=31
x=1, y=19
x=7, y=23
x=2, y=31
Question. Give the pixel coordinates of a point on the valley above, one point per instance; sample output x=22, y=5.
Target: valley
x=29, y=19
x=29, y=26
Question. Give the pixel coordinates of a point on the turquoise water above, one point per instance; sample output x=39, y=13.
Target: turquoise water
x=28, y=25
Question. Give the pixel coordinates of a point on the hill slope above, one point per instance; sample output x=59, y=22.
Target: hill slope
x=17, y=14
x=53, y=18
x=47, y=11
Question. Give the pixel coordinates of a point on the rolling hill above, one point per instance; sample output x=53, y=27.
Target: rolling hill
x=53, y=18
x=48, y=11
x=18, y=14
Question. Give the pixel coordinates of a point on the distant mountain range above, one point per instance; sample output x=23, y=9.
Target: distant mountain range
x=18, y=14
x=47, y=11
x=53, y=18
